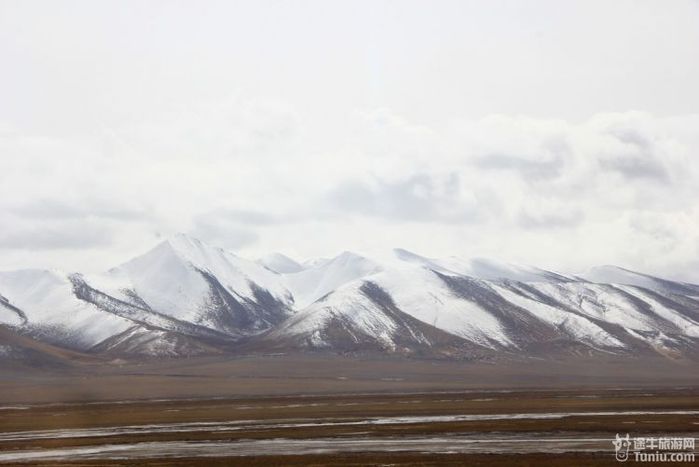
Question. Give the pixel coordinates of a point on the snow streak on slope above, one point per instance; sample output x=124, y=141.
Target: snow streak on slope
x=139, y=313
x=575, y=326
x=666, y=310
x=603, y=302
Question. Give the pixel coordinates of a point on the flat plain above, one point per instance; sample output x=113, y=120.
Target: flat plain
x=321, y=410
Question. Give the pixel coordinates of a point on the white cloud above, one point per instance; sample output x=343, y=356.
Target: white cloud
x=526, y=189
x=492, y=139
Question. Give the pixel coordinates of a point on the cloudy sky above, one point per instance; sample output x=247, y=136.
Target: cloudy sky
x=562, y=134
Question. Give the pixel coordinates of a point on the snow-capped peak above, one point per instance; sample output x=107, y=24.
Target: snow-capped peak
x=194, y=250
x=175, y=276
x=314, y=282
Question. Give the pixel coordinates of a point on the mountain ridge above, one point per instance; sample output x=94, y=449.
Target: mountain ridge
x=184, y=297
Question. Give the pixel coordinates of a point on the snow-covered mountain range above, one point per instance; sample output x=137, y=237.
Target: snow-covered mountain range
x=185, y=298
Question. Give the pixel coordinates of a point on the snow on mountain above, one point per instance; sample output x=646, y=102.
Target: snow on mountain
x=153, y=343
x=426, y=291
x=133, y=308
x=481, y=268
x=185, y=297
x=362, y=317
x=616, y=275
x=63, y=309
x=280, y=263
x=575, y=326
x=600, y=302
x=10, y=314
x=669, y=310
x=408, y=257
x=191, y=281
x=631, y=310
x=494, y=305
x=418, y=291
x=52, y=310
x=18, y=348
x=496, y=270
x=347, y=304
x=318, y=280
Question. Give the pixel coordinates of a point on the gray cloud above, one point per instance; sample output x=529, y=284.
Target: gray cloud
x=239, y=216
x=640, y=162
x=548, y=164
x=419, y=198
x=655, y=228
x=250, y=217
x=527, y=167
x=50, y=209
x=542, y=221
x=166, y=127
x=228, y=229
x=631, y=136
x=75, y=236
x=636, y=167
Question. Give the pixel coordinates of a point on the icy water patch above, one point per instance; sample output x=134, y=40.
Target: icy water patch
x=241, y=425
x=495, y=444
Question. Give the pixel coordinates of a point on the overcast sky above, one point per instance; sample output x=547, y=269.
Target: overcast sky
x=561, y=134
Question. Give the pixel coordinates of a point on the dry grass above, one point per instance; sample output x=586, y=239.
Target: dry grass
x=347, y=389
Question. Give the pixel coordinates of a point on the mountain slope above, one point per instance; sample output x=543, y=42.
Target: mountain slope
x=62, y=309
x=362, y=317
x=188, y=280
x=550, y=314
x=321, y=278
x=53, y=312
x=20, y=350
x=280, y=263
